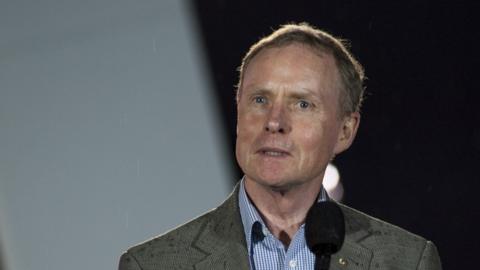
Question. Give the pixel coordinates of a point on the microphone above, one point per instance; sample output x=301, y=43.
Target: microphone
x=324, y=231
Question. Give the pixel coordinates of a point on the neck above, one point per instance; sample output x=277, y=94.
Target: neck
x=283, y=210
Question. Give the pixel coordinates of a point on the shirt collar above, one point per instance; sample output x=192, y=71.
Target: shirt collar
x=250, y=215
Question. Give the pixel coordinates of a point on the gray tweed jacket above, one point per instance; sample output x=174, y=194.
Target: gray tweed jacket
x=216, y=240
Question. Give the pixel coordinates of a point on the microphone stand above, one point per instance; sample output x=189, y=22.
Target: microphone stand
x=322, y=262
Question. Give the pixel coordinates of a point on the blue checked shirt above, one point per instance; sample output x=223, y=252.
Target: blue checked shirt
x=265, y=251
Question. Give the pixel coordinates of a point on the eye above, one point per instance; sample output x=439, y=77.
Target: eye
x=304, y=104
x=260, y=100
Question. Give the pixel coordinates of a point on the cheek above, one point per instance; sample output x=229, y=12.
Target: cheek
x=308, y=135
x=247, y=127
x=315, y=142
x=311, y=148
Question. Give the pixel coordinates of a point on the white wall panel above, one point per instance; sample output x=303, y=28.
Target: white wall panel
x=108, y=135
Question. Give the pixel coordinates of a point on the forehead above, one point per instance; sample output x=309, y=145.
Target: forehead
x=294, y=64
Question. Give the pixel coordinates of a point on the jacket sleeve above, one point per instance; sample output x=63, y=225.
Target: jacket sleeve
x=128, y=262
x=430, y=259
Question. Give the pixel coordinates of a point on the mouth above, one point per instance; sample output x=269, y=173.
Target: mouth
x=273, y=152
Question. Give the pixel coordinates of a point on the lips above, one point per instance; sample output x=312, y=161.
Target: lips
x=273, y=152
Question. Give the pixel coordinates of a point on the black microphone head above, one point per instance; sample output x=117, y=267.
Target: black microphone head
x=325, y=228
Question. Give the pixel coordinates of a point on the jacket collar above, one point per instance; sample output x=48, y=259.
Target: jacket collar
x=222, y=240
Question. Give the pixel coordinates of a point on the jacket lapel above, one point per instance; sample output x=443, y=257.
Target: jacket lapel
x=222, y=238
x=231, y=257
x=352, y=255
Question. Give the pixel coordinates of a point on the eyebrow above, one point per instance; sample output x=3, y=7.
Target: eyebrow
x=259, y=91
x=305, y=93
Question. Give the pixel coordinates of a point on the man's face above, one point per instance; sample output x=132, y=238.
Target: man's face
x=288, y=125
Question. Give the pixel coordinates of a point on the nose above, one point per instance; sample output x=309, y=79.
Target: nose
x=277, y=120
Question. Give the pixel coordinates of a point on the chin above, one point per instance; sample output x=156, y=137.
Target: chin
x=276, y=182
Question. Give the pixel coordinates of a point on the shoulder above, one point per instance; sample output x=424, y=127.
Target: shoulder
x=388, y=243
x=166, y=248
x=181, y=247
x=172, y=249
x=383, y=233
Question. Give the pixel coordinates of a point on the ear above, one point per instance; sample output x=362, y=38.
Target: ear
x=347, y=133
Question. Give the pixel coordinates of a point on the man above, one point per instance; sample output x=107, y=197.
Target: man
x=298, y=102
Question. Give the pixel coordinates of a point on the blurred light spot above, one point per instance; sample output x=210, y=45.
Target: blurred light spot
x=332, y=184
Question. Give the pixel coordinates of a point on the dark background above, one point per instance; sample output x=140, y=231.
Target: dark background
x=415, y=157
